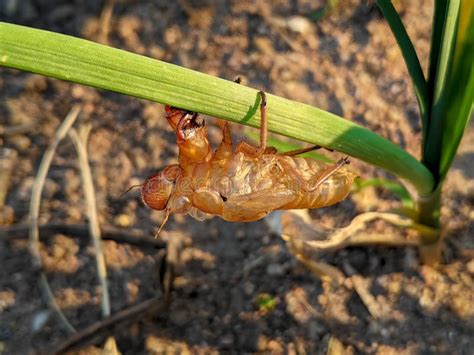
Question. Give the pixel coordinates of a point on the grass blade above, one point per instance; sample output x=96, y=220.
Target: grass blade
x=460, y=89
x=439, y=14
x=92, y=64
x=410, y=57
x=453, y=89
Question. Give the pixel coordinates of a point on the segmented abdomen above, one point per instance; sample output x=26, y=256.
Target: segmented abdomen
x=331, y=191
x=242, y=175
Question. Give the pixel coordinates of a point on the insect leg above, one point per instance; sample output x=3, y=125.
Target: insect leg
x=263, y=121
x=225, y=147
x=167, y=215
x=248, y=149
x=292, y=153
x=130, y=189
x=329, y=172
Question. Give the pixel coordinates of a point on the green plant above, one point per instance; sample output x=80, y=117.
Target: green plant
x=445, y=98
x=266, y=303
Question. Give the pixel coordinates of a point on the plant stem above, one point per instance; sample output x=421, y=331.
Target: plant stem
x=429, y=215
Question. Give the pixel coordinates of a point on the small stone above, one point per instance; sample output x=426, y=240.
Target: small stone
x=227, y=340
x=39, y=320
x=22, y=142
x=275, y=270
x=50, y=188
x=275, y=347
x=316, y=330
x=172, y=35
x=240, y=234
x=7, y=299
x=7, y=215
x=179, y=317
x=427, y=300
x=152, y=115
x=58, y=251
x=123, y=220
x=264, y=44
x=249, y=288
x=374, y=328
x=133, y=289
x=266, y=240
x=410, y=261
x=299, y=25
x=470, y=267
x=36, y=83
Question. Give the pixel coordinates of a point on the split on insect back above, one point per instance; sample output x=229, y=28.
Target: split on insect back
x=240, y=184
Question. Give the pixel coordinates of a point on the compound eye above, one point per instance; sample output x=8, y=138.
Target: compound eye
x=157, y=189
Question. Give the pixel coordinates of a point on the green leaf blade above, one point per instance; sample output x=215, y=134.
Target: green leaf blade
x=92, y=64
x=453, y=89
x=439, y=14
x=410, y=57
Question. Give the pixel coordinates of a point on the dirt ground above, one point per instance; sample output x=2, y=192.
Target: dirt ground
x=239, y=289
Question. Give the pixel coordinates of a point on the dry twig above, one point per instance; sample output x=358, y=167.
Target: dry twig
x=35, y=202
x=105, y=22
x=361, y=286
x=133, y=237
x=149, y=307
x=7, y=162
x=336, y=347
x=17, y=129
x=80, y=142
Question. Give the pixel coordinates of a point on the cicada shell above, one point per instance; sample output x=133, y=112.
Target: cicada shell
x=242, y=184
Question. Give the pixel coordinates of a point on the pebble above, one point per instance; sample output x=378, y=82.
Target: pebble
x=123, y=220
x=316, y=330
x=39, y=320
x=299, y=25
x=36, y=83
x=249, y=288
x=470, y=267
x=410, y=260
x=7, y=215
x=227, y=340
x=275, y=270
x=179, y=317
x=274, y=347
x=22, y=142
